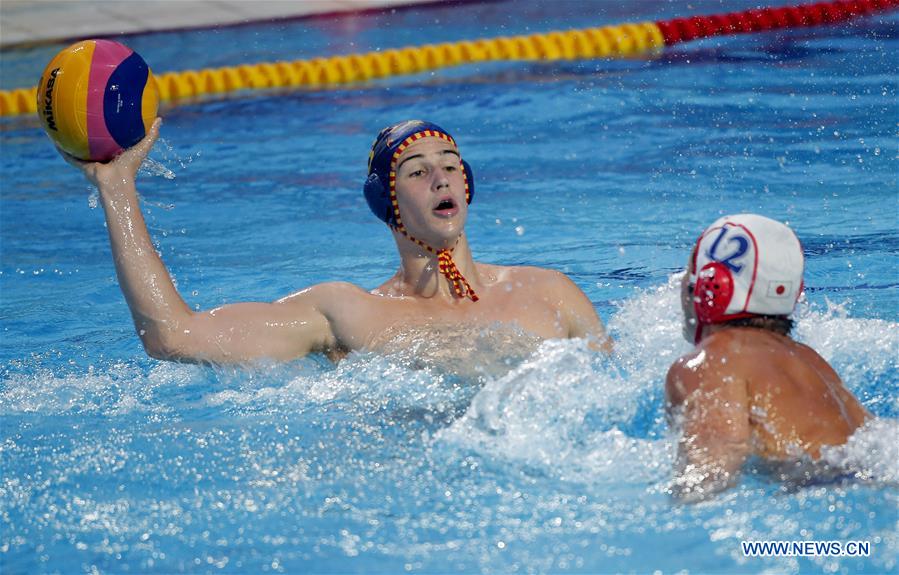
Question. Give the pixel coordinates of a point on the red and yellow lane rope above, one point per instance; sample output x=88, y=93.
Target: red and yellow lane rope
x=622, y=41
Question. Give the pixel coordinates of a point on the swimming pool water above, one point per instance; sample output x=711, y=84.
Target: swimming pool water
x=546, y=460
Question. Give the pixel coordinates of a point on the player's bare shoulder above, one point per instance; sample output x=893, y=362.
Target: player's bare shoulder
x=322, y=295
x=541, y=281
x=342, y=304
x=737, y=350
x=715, y=361
x=744, y=345
x=560, y=297
x=559, y=291
x=352, y=313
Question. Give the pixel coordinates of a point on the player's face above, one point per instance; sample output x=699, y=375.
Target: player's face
x=430, y=190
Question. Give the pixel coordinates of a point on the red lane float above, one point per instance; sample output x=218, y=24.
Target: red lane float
x=763, y=19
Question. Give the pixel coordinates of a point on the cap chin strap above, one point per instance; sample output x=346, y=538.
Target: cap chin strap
x=698, y=336
x=445, y=263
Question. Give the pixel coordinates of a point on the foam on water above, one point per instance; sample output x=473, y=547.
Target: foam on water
x=865, y=352
x=563, y=411
x=872, y=453
x=115, y=389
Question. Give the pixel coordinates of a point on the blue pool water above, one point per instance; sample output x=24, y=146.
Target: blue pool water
x=512, y=459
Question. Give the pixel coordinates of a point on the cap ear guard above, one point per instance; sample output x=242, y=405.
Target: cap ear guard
x=713, y=292
x=378, y=196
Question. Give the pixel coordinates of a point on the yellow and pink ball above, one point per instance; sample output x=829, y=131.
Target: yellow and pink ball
x=97, y=98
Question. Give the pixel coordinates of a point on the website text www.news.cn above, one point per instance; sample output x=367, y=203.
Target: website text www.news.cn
x=806, y=548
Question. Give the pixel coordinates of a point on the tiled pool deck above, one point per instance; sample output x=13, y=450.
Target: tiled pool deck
x=24, y=22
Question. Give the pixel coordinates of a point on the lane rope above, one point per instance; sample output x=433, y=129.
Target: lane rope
x=621, y=41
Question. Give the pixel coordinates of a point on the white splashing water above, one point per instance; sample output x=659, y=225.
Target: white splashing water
x=118, y=389
x=871, y=454
x=152, y=167
x=860, y=349
x=169, y=154
x=168, y=157
x=564, y=410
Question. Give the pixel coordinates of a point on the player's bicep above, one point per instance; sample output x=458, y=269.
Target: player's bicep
x=277, y=330
x=242, y=332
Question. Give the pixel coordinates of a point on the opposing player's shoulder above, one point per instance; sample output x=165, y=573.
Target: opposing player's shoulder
x=679, y=379
x=714, y=362
x=722, y=343
x=743, y=346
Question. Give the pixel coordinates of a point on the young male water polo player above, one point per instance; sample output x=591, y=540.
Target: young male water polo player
x=419, y=185
x=747, y=388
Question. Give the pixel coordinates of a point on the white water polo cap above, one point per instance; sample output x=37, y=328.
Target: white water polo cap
x=746, y=265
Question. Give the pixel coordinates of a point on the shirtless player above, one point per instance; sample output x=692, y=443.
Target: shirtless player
x=415, y=169
x=747, y=388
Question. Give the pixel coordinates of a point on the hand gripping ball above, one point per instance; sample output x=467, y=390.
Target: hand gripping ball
x=97, y=98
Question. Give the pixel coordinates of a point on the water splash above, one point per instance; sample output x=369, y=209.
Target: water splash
x=575, y=414
x=871, y=454
x=169, y=154
x=864, y=352
x=118, y=389
x=562, y=412
x=151, y=167
x=168, y=157
x=93, y=198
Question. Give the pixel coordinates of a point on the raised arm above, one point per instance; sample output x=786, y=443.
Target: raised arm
x=168, y=328
x=713, y=406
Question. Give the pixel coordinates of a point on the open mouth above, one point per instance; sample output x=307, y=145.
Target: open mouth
x=446, y=206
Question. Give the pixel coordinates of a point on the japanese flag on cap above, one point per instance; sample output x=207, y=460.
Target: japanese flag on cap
x=746, y=265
